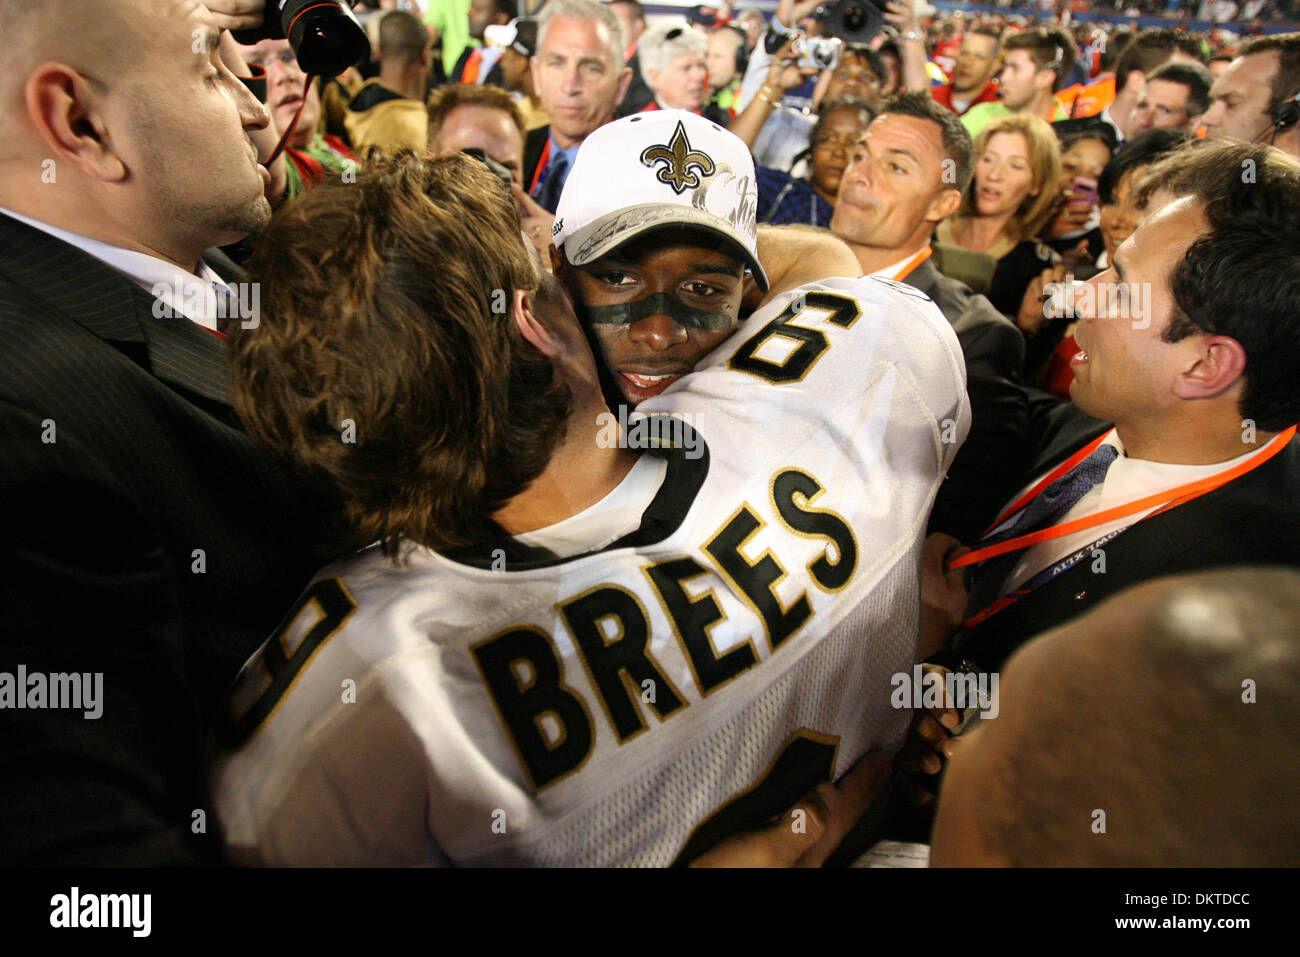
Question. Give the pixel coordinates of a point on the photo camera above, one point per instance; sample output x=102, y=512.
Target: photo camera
x=325, y=35
x=821, y=53
x=817, y=53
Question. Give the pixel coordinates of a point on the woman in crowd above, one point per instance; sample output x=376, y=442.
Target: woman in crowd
x=1075, y=231
x=783, y=198
x=1012, y=197
x=1119, y=216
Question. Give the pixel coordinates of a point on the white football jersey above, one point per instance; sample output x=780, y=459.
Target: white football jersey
x=635, y=704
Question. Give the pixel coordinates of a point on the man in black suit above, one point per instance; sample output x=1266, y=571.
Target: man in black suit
x=904, y=177
x=149, y=546
x=1189, y=345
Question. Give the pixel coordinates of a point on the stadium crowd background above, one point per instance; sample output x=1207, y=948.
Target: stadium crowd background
x=1067, y=219
x=1048, y=129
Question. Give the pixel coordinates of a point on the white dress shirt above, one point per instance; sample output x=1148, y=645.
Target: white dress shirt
x=181, y=293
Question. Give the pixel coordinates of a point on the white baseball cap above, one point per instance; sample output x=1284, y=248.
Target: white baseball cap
x=520, y=35
x=655, y=169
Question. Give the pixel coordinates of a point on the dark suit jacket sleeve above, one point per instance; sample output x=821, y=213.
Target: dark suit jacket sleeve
x=992, y=463
x=86, y=590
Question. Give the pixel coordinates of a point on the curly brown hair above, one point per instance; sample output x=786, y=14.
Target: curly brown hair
x=386, y=359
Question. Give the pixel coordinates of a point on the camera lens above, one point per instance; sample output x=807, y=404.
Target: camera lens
x=325, y=36
x=855, y=18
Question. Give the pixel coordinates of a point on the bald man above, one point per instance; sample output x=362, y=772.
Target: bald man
x=148, y=545
x=1154, y=731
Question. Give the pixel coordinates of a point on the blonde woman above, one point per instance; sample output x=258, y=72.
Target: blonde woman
x=1011, y=198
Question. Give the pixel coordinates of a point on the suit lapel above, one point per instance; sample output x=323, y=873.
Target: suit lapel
x=108, y=304
x=182, y=352
x=69, y=281
x=534, y=143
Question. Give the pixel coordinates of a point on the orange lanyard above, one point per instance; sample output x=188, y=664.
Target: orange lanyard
x=1169, y=498
x=912, y=263
x=543, y=161
x=470, y=73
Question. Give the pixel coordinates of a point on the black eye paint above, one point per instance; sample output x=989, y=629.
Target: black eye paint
x=660, y=304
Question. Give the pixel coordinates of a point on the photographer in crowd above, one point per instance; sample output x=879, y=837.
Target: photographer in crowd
x=774, y=117
x=312, y=154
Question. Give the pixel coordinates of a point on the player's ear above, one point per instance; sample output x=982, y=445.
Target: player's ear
x=531, y=328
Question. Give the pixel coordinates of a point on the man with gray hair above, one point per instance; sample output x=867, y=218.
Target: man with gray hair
x=673, y=60
x=580, y=77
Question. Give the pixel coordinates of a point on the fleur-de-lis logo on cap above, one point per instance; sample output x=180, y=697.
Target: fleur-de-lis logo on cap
x=680, y=162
